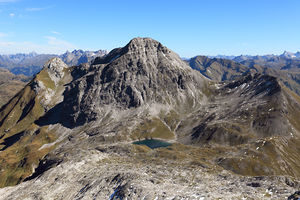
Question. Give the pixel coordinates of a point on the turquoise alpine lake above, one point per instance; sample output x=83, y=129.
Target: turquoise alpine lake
x=153, y=143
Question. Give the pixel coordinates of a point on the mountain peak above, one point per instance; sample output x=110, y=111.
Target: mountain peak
x=55, y=68
x=288, y=54
x=142, y=41
x=143, y=44
x=143, y=50
x=55, y=64
x=77, y=51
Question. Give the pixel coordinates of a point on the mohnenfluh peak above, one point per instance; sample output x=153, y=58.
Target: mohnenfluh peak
x=69, y=133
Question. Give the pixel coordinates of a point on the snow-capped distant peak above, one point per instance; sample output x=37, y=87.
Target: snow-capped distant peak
x=288, y=54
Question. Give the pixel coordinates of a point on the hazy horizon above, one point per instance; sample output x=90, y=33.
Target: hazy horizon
x=34, y=52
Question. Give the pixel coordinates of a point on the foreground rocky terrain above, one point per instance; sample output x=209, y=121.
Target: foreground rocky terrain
x=69, y=133
x=133, y=172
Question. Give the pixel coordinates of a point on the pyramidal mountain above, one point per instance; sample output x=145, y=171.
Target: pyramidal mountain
x=76, y=132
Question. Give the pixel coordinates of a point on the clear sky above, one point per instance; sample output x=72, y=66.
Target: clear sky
x=188, y=27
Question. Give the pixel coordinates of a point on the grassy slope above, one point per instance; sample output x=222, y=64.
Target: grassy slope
x=10, y=85
x=21, y=139
x=8, y=90
x=153, y=128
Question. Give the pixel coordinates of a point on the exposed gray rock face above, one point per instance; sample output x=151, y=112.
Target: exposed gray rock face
x=47, y=85
x=55, y=68
x=143, y=72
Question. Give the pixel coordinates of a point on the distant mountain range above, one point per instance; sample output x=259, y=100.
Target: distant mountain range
x=285, y=54
x=30, y=64
x=287, y=70
x=285, y=61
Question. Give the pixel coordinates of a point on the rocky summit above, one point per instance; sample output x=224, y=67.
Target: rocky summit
x=140, y=123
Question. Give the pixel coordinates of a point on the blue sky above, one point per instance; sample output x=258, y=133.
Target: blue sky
x=190, y=27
